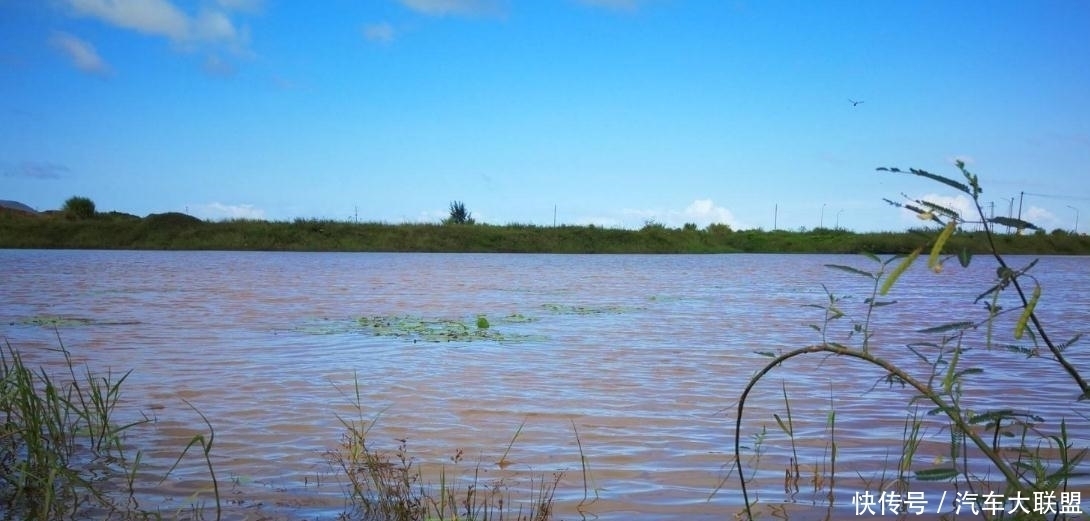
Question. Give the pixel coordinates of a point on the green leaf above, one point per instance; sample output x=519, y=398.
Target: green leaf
x=899, y=270
x=1020, y=326
x=937, y=474
x=942, y=179
x=850, y=269
x=951, y=376
x=1012, y=222
x=952, y=326
x=973, y=370
x=936, y=250
x=1019, y=350
x=879, y=303
x=990, y=416
x=964, y=256
x=782, y=425
x=1070, y=342
x=938, y=208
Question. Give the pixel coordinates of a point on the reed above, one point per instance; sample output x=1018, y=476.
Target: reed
x=57, y=440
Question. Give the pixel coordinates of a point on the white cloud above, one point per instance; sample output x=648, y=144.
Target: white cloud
x=155, y=17
x=81, y=53
x=210, y=26
x=704, y=212
x=1041, y=218
x=700, y=212
x=379, y=32
x=445, y=7
x=218, y=211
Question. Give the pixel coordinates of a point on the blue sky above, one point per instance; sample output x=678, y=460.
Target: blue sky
x=610, y=112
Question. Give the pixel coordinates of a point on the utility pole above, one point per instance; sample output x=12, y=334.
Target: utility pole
x=1075, y=230
x=821, y=223
x=775, y=216
x=554, y=216
x=1010, y=210
x=1020, y=196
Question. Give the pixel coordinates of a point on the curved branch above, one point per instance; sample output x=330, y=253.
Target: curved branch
x=951, y=412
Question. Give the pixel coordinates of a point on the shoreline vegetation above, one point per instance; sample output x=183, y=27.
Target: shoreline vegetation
x=178, y=231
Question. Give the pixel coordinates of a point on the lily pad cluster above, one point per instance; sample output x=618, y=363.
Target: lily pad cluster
x=433, y=329
x=415, y=328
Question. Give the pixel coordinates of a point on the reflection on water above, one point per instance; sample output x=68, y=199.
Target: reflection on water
x=644, y=355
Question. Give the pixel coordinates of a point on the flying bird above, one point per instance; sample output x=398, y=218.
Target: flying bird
x=853, y=102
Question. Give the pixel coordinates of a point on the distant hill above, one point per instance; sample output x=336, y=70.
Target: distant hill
x=16, y=206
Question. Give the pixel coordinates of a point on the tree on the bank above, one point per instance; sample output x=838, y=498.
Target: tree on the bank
x=79, y=208
x=459, y=214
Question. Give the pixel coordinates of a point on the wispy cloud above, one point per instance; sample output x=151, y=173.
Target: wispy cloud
x=35, y=170
x=81, y=53
x=209, y=27
x=616, y=5
x=220, y=211
x=250, y=6
x=455, y=7
x=381, y=32
x=216, y=66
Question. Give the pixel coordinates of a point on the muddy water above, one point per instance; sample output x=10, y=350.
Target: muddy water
x=643, y=356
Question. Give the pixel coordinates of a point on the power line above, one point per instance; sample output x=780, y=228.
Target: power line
x=1055, y=196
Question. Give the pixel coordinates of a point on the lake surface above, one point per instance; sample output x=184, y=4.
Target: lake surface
x=644, y=356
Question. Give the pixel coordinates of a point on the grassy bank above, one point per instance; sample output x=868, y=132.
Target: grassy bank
x=175, y=231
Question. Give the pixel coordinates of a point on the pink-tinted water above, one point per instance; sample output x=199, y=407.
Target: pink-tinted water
x=644, y=355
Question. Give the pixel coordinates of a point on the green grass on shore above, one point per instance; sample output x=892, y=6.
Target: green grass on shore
x=175, y=231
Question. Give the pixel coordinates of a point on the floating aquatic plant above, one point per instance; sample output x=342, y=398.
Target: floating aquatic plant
x=54, y=321
x=420, y=329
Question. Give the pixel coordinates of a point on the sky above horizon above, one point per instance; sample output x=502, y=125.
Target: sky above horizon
x=606, y=112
